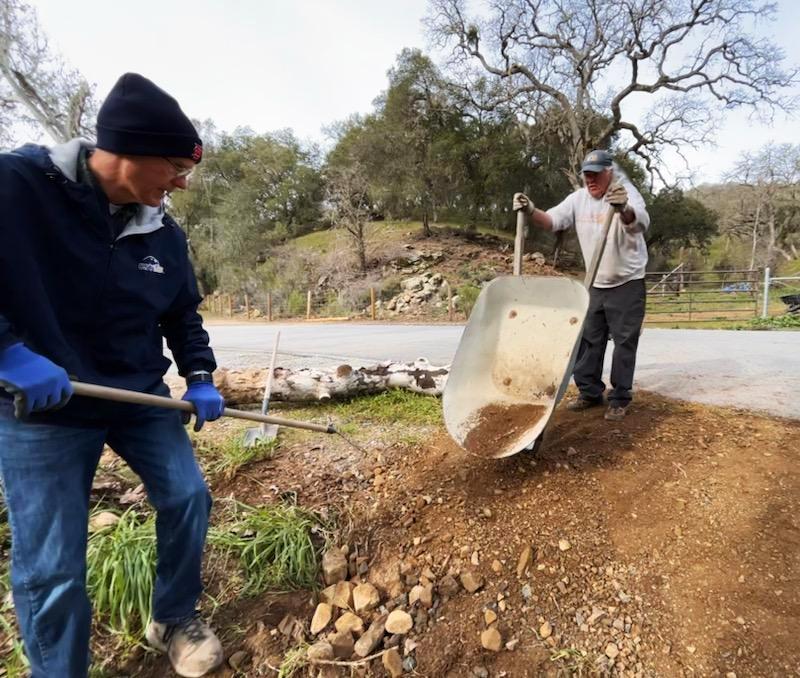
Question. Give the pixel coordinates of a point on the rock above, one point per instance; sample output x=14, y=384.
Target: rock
x=322, y=617
x=527, y=593
x=471, y=581
x=480, y=672
x=238, y=659
x=365, y=598
x=423, y=594
x=320, y=650
x=393, y=663
x=497, y=566
x=524, y=561
x=350, y=622
x=339, y=595
x=564, y=545
x=492, y=640
x=546, y=630
x=512, y=644
x=448, y=586
x=399, y=621
x=334, y=566
x=489, y=617
x=102, y=520
x=612, y=651
x=342, y=644
x=369, y=641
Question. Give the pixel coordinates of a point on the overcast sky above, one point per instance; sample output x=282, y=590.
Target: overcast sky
x=271, y=64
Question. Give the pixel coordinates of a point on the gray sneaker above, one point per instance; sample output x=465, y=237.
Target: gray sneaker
x=615, y=413
x=192, y=647
x=580, y=404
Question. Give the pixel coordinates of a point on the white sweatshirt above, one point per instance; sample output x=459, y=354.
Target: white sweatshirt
x=625, y=255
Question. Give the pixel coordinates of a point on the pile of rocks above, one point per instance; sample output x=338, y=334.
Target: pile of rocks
x=375, y=616
x=418, y=292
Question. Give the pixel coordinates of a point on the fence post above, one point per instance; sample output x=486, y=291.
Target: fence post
x=230, y=306
x=372, y=302
x=269, y=306
x=247, y=305
x=308, y=305
x=765, y=307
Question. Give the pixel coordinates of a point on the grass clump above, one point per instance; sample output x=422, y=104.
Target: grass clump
x=121, y=563
x=780, y=322
x=234, y=454
x=274, y=545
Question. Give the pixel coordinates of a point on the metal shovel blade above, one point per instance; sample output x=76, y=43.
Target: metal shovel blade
x=513, y=363
x=265, y=432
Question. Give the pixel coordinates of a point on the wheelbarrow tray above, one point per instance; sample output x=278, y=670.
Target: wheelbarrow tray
x=514, y=362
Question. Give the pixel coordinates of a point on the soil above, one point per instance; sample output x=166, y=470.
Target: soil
x=498, y=427
x=667, y=544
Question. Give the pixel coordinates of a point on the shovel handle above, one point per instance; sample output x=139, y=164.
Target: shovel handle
x=591, y=271
x=136, y=398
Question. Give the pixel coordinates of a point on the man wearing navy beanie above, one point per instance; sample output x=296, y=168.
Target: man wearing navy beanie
x=94, y=276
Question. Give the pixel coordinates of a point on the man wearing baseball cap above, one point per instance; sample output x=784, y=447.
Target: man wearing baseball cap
x=617, y=297
x=94, y=276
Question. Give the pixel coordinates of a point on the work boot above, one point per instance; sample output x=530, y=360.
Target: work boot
x=192, y=647
x=615, y=412
x=580, y=404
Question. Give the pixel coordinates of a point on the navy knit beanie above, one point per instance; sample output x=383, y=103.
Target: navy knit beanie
x=140, y=118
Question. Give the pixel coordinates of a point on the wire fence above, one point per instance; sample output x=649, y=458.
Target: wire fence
x=679, y=295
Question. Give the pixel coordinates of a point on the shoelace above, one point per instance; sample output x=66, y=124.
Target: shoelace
x=193, y=628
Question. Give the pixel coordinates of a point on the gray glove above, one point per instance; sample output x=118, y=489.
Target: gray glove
x=523, y=202
x=617, y=196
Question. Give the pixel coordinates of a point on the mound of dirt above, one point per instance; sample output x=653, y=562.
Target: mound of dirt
x=664, y=545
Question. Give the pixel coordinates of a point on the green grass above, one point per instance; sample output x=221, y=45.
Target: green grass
x=780, y=322
x=274, y=545
x=14, y=663
x=121, y=571
x=392, y=407
x=293, y=661
x=233, y=454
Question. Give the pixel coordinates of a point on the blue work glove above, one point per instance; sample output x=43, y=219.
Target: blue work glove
x=207, y=401
x=36, y=383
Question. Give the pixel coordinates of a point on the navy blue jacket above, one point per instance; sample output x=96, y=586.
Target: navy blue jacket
x=98, y=305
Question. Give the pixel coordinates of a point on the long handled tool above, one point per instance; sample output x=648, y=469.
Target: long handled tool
x=265, y=432
x=136, y=398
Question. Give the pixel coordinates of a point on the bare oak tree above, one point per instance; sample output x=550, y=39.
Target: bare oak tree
x=348, y=197
x=769, y=183
x=36, y=86
x=588, y=68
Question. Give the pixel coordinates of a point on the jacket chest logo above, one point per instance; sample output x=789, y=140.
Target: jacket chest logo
x=151, y=265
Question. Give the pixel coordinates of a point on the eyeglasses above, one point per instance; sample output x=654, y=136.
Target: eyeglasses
x=181, y=172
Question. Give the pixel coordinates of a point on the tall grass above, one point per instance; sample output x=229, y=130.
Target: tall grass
x=234, y=454
x=121, y=563
x=274, y=545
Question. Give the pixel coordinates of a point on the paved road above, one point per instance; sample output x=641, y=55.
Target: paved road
x=753, y=370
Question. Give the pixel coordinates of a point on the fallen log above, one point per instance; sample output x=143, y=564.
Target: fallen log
x=246, y=387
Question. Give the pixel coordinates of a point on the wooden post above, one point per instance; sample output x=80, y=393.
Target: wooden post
x=372, y=301
x=230, y=306
x=247, y=305
x=308, y=305
x=269, y=306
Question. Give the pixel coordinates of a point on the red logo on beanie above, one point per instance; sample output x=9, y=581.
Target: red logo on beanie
x=197, y=152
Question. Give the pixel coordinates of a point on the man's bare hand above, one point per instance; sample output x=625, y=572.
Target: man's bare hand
x=523, y=202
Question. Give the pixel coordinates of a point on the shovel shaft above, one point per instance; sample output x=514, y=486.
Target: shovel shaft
x=136, y=398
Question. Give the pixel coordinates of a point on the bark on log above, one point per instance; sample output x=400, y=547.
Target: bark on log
x=246, y=387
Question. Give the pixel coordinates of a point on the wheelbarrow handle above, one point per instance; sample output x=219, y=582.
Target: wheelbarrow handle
x=591, y=270
x=137, y=398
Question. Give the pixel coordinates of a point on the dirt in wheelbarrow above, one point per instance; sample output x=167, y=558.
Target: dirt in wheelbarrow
x=500, y=425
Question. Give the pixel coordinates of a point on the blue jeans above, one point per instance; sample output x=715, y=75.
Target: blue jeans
x=47, y=474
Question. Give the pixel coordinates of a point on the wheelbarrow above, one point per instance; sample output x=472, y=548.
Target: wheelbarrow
x=516, y=356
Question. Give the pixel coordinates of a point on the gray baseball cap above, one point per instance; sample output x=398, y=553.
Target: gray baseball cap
x=597, y=161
